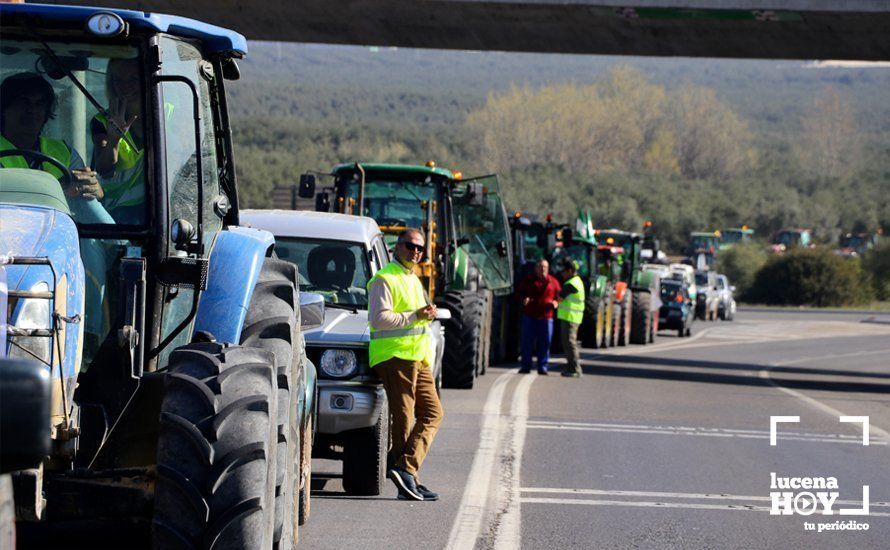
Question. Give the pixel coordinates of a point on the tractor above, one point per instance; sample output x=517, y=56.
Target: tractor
x=468, y=259
x=153, y=384
x=703, y=248
x=786, y=239
x=638, y=317
x=729, y=237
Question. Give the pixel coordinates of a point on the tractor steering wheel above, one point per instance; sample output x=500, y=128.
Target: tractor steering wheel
x=67, y=177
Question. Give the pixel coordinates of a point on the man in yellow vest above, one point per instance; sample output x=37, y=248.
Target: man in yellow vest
x=27, y=103
x=570, y=314
x=399, y=314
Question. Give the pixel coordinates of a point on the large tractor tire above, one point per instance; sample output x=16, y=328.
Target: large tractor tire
x=463, y=338
x=625, y=318
x=616, y=323
x=272, y=323
x=364, y=457
x=487, y=331
x=592, y=325
x=641, y=317
x=498, y=347
x=305, y=480
x=216, y=458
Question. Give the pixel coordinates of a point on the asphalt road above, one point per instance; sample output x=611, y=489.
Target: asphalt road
x=662, y=446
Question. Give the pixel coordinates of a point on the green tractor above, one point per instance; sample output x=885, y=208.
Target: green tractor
x=639, y=304
x=729, y=237
x=703, y=248
x=468, y=260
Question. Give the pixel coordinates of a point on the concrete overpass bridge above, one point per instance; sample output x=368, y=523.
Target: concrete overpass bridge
x=794, y=29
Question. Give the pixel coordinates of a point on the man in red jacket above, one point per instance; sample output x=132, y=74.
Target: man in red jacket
x=539, y=295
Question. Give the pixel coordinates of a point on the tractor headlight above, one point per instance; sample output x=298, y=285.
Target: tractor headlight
x=33, y=313
x=338, y=363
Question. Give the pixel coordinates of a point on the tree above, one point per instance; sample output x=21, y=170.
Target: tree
x=829, y=147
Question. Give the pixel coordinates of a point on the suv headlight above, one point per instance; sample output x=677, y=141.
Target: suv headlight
x=338, y=363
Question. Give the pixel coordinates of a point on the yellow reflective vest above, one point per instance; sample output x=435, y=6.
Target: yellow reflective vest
x=54, y=148
x=412, y=342
x=571, y=309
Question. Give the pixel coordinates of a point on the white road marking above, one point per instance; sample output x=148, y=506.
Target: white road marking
x=698, y=431
x=687, y=505
x=508, y=534
x=827, y=409
x=468, y=523
x=656, y=494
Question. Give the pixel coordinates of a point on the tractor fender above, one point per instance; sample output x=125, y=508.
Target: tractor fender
x=620, y=289
x=235, y=264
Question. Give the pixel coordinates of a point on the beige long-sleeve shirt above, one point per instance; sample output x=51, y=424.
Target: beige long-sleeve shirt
x=380, y=313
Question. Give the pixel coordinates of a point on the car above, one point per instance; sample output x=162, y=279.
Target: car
x=725, y=300
x=677, y=311
x=337, y=254
x=706, y=302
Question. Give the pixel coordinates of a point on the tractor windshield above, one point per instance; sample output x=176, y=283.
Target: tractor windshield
x=395, y=203
x=577, y=252
x=482, y=228
x=732, y=237
x=98, y=153
x=703, y=242
x=338, y=270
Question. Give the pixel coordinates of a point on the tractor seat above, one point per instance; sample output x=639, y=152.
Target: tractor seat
x=32, y=187
x=331, y=266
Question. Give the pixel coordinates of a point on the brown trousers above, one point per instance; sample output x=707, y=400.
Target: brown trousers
x=411, y=392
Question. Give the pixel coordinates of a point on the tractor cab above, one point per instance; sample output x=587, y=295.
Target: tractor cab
x=786, y=239
x=124, y=267
x=729, y=237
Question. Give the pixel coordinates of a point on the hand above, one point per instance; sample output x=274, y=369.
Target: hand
x=555, y=304
x=117, y=115
x=85, y=185
x=428, y=312
x=526, y=301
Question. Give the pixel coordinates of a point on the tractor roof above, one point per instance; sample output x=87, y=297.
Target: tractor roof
x=401, y=169
x=215, y=40
x=617, y=232
x=704, y=234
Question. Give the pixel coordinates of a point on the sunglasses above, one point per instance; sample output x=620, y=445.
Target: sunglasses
x=413, y=247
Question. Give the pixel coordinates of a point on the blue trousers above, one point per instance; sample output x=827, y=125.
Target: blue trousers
x=536, y=335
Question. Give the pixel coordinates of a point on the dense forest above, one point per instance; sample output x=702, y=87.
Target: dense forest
x=689, y=144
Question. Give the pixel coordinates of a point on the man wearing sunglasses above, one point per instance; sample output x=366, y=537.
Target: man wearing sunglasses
x=399, y=313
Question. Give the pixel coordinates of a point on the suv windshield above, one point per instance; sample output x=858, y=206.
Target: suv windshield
x=669, y=291
x=338, y=270
x=44, y=111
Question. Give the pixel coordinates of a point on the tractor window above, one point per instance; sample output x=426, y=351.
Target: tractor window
x=44, y=112
x=485, y=231
x=183, y=59
x=395, y=203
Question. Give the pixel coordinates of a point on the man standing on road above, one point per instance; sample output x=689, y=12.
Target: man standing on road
x=538, y=293
x=398, y=314
x=570, y=314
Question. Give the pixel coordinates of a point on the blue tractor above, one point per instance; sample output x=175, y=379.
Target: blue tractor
x=152, y=369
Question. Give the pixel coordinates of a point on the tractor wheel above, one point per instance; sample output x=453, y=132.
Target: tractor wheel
x=498, y=330
x=487, y=331
x=364, y=457
x=463, y=338
x=681, y=333
x=591, y=329
x=7, y=513
x=624, y=326
x=653, y=327
x=305, y=480
x=641, y=317
x=272, y=324
x=216, y=453
x=616, y=321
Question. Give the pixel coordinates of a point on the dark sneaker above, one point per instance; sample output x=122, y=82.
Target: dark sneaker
x=426, y=493
x=524, y=371
x=404, y=483
x=542, y=371
x=571, y=374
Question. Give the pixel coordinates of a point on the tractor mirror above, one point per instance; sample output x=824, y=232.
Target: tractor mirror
x=307, y=186
x=24, y=414
x=476, y=193
x=322, y=203
x=502, y=248
x=311, y=310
